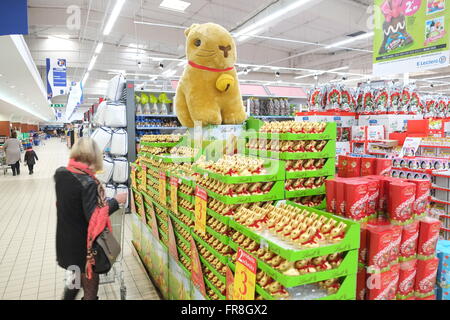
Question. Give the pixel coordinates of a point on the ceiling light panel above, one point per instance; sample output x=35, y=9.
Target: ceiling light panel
x=175, y=5
x=113, y=17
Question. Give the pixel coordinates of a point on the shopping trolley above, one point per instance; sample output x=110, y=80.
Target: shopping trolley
x=116, y=273
x=3, y=166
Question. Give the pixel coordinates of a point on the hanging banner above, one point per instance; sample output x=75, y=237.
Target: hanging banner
x=153, y=223
x=201, y=202
x=143, y=185
x=174, y=194
x=13, y=17
x=410, y=36
x=162, y=188
x=75, y=99
x=245, y=276
x=172, y=242
x=56, y=77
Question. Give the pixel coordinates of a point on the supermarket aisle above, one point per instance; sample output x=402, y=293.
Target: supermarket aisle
x=28, y=269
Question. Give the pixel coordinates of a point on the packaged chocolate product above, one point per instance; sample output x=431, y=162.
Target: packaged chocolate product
x=331, y=195
x=410, y=238
x=401, y=202
x=356, y=196
x=379, y=238
x=423, y=188
x=396, y=163
x=426, y=277
x=340, y=197
x=396, y=239
x=407, y=277
x=353, y=167
x=368, y=166
x=429, y=229
x=362, y=254
x=373, y=189
x=361, y=284
x=342, y=166
x=383, y=167
x=443, y=254
x=383, y=286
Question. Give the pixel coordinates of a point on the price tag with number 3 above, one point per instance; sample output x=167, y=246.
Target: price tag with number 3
x=245, y=276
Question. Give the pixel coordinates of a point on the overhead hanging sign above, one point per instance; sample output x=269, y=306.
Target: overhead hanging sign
x=13, y=17
x=75, y=99
x=56, y=77
x=410, y=36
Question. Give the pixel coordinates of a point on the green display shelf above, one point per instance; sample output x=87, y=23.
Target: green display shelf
x=220, y=257
x=160, y=144
x=225, y=220
x=213, y=288
x=328, y=152
x=329, y=169
x=213, y=270
x=305, y=193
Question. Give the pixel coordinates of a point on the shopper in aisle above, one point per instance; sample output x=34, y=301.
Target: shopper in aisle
x=12, y=149
x=78, y=194
x=30, y=159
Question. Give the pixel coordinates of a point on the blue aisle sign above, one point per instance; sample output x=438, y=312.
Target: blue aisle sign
x=13, y=17
x=56, y=77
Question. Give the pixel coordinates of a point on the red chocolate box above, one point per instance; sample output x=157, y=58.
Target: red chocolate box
x=410, y=238
x=395, y=244
x=356, y=196
x=374, y=196
x=401, y=201
x=368, y=166
x=353, y=167
x=407, y=279
x=429, y=229
x=340, y=197
x=362, y=254
x=423, y=188
x=383, y=167
x=379, y=238
x=383, y=286
x=361, y=289
x=426, y=277
x=331, y=195
x=342, y=166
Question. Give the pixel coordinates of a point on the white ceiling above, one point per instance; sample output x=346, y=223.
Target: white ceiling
x=321, y=21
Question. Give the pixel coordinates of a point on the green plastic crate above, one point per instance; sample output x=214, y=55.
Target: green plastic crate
x=220, y=257
x=328, y=152
x=225, y=220
x=181, y=238
x=329, y=169
x=329, y=133
x=181, y=252
x=277, y=193
x=212, y=269
x=160, y=144
x=185, y=181
x=167, y=158
x=186, y=212
x=305, y=193
x=211, y=286
x=347, y=291
x=275, y=170
x=178, y=221
x=350, y=241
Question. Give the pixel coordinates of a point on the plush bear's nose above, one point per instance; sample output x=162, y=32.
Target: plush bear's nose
x=225, y=50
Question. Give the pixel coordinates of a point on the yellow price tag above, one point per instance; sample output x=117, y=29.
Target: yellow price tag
x=201, y=198
x=244, y=276
x=174, y=194
x=144, y=178
x=162, y=188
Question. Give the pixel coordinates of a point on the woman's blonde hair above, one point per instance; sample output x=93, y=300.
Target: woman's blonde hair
x=87, y=151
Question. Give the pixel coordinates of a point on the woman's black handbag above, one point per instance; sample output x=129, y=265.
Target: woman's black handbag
x=105, y=250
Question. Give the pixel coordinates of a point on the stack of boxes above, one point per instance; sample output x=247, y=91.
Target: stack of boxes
x=443, y=276
x=397, y=244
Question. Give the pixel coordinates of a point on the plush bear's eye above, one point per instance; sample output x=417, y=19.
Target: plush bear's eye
x=198, y=43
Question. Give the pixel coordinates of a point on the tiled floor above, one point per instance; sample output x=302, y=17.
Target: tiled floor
x=28, y=268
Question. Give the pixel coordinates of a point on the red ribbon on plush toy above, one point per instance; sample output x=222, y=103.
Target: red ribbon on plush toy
x=392, y=9
x=197, y=66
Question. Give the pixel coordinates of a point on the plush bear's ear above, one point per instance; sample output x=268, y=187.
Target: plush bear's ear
x=188, y=30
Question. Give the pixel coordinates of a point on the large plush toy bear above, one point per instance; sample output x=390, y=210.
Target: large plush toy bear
x=208, y=92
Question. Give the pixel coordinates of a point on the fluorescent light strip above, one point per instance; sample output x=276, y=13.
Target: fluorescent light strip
x=175, y=5
x=351, y=40
x=113, y=17
x=254, y=27
x=435, y=78
x=86, y=76
x=92, y=63
x=99, y=47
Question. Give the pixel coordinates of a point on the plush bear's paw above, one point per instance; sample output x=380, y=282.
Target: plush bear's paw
x=234, y=117
x=207, y=118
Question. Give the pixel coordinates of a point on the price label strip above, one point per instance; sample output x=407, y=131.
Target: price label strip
x=133, y=177
x=229, y=284
x=245, y=276
x=174, y=194
x=144, y=179
x=197, y=273
x=153, y=222
x=162, y=188
x=172, y=242
x=201, y=201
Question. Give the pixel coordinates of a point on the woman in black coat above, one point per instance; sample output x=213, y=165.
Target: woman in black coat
x=77, y=193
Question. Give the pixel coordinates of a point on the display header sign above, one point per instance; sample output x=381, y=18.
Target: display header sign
x=13, y=17
x=56, y=77
x=410, y=36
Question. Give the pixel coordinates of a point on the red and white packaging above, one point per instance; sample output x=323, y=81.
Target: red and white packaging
x=356, y=196
x=423, y=188
x=362, y=253
x=373, y=189
x=426, y=276
x=410, y=238
x=331, y=195
x=429, y=229
x=368, y=166
x=342, y=166
x=379, y=238
x=383, y=286
x=353, y=167
x=340, y=197
x=401, y=201
x=407, y=278
x=383, y=167
x=396, y=239
x=361, y=289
